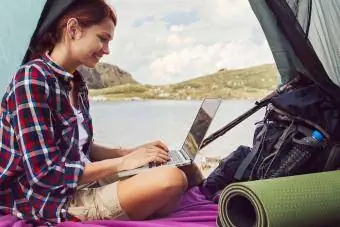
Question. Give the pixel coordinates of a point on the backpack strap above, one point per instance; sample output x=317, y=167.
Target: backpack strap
x=333, y=161
x=245, y=163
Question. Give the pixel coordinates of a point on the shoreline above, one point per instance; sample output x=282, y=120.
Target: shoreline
x=101, y=98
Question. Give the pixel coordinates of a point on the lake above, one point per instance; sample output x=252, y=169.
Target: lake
x=131, y=123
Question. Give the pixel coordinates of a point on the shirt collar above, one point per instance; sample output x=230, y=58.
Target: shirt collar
x=63, y=74
x=57, y=68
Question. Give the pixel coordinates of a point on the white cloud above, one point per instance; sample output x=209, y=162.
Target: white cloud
x=199, y=60
x=176, y=28
x=225, y=34
x=178, y=40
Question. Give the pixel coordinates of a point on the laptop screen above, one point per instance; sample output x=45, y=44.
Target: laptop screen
x=200, y=126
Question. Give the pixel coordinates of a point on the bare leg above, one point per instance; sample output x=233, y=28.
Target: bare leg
x=155, y=192
x=168, y=207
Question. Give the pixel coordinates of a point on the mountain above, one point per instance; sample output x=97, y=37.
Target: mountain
x=105, y=75
x=248, y=83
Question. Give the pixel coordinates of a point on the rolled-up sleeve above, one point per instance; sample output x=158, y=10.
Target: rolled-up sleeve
x=47, y=167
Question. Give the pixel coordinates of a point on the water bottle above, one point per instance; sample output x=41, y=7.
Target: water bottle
x=299, y=154
x=314, y=140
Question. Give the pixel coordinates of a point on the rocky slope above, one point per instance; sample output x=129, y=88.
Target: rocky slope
x=106, y=75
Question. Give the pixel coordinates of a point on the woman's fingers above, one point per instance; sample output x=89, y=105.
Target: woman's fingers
x=159, y=156
x=161, y=145
x=160, y=160
x=154, y=149
x=162, y=153
x=154, y=154
x=156, y=159
x=164, y=157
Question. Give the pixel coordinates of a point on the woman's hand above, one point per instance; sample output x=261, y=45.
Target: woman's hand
x=157, y=143
x=152, y=152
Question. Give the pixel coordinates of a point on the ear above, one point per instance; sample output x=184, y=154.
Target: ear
x=73, y=29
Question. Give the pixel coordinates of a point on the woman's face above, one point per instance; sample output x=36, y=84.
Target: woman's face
x=90, y=44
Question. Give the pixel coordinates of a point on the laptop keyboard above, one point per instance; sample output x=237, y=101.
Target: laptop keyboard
x=175, y=158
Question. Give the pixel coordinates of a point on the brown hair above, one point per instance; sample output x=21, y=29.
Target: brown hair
x=87, y=12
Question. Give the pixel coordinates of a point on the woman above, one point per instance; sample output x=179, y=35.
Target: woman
x=50, y=168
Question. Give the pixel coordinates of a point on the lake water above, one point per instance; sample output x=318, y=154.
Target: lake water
x=131, y=123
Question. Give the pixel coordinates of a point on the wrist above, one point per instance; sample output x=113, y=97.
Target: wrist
x=125, y=151
x=120, y=164
x=114, y=165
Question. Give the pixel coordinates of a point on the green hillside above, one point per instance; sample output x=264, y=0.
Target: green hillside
x=248, y=83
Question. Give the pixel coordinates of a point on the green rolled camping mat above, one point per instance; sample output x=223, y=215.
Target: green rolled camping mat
x=304, y=200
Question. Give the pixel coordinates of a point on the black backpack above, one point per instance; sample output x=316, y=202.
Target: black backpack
x=283, y=144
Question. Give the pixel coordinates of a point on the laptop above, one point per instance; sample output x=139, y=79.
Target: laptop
x=192, y=142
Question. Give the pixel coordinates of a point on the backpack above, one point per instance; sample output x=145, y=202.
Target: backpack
x=282, y=141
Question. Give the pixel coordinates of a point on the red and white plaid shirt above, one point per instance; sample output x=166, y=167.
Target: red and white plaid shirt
x=40, y=160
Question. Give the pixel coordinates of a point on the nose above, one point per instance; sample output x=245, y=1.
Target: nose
x=106, y=49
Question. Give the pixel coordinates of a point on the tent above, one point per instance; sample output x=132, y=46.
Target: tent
x=302, y=35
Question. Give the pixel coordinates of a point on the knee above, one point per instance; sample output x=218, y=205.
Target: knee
x=173, y=180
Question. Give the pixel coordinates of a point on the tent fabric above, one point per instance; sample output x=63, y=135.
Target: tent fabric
x=324, y=35
x=51, y=11
x=193, y=211
x=286, y=60
x=51, y=15
x=302, y=35
x=302, y=46
x=319, y=20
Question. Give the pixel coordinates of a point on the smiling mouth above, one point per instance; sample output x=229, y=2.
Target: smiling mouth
x=97, y=57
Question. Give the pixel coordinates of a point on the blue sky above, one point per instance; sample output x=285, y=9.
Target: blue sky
x=168, y=41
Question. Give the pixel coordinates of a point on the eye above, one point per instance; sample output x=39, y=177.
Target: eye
x=102, y=39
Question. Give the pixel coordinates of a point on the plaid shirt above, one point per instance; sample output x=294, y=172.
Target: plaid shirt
x=40, y=160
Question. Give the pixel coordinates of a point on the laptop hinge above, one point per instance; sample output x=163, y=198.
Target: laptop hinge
x=186, y=156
